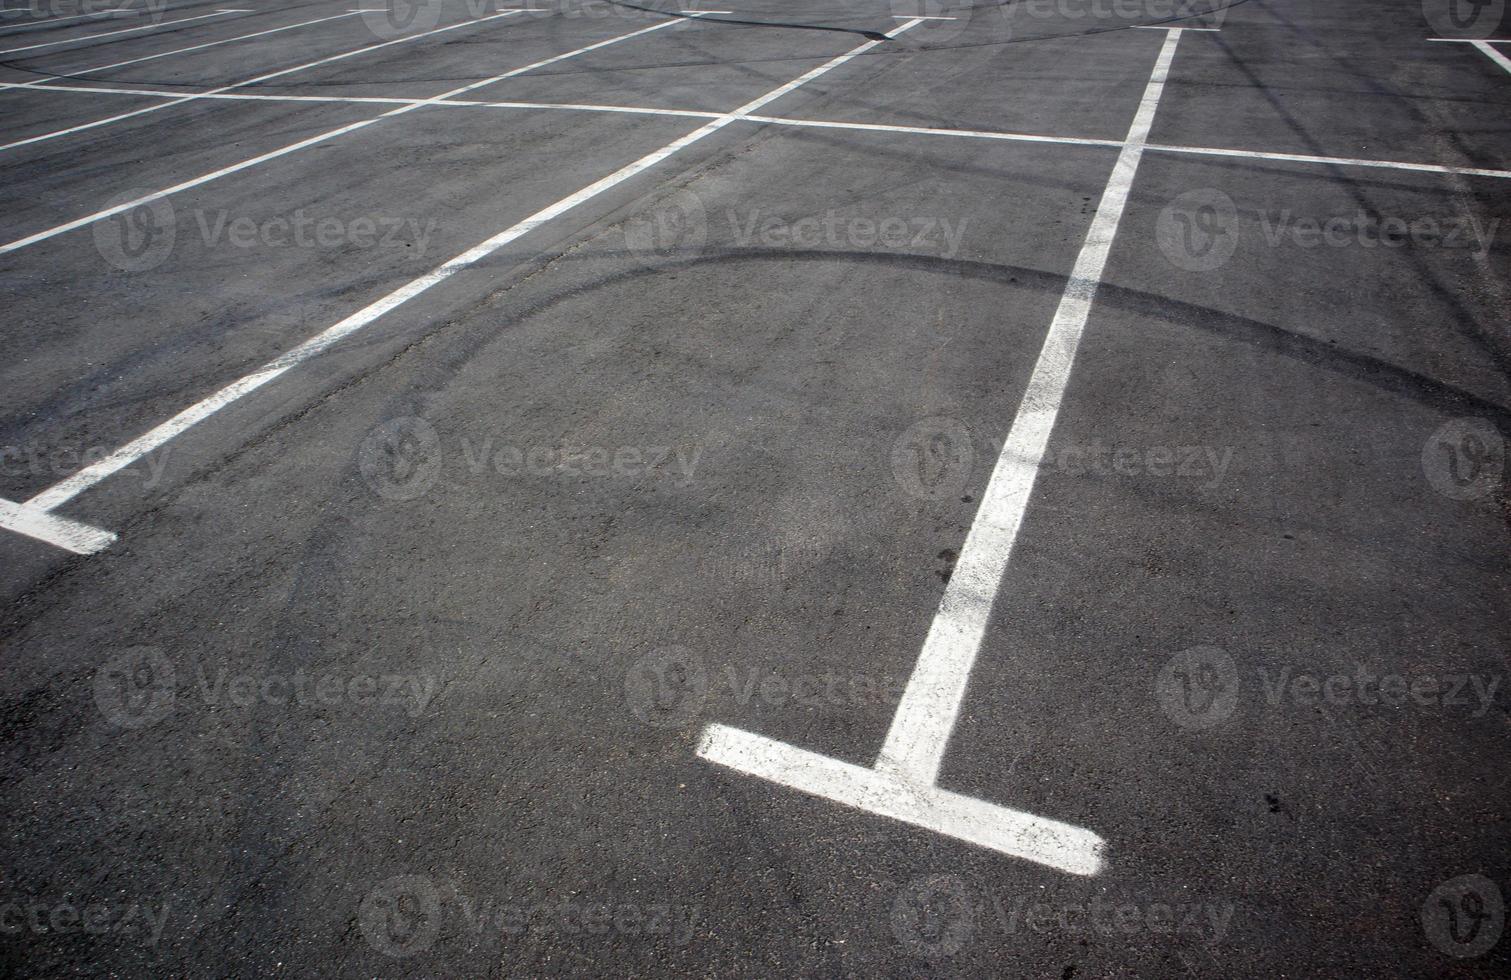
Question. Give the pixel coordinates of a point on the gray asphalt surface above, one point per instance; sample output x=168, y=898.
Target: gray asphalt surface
x=399, y=664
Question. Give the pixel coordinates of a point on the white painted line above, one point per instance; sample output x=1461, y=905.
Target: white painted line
x=1167, y=27
x=60, y=532
x=926, y=715
x=318, y=138
x=66, y=490
x=62, y=20
x=1484, y=48
x=781, y=121
x=927, y=131
x=1430, y=168
x=1049, y=842
x=903, y=783
x=192, y=47
x=1471, y=40
x=55, y=84
x=128, y=30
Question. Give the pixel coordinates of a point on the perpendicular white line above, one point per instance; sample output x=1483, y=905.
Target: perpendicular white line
x=67, y=489
x=1471, y=40
x=925, y=717
x=1049, y=842
x=781, y=121
x=1431, y=168
x=269, y=76
x=60, y=532
x=128, y=30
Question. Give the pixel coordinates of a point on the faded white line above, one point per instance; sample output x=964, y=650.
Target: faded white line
x=180, y=100
x=60, y=532
x=1430, y=168
x=129, y=30
x=926, y=715
x=192, y=47
x=66, y=490
x=63, y=20
x=930, y=131
x=780, y=121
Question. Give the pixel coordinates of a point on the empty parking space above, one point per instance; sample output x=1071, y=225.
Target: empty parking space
x=857, y=489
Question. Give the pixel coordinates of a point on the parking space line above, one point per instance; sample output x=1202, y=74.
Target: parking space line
x=321, y=138
x=1430, y=168
x=60, y=532
x=903, y=783
x=55, y=85
x=63, y=20
x=783, y=121
x=192, y=47
x=129, y=30
x=67, y=489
